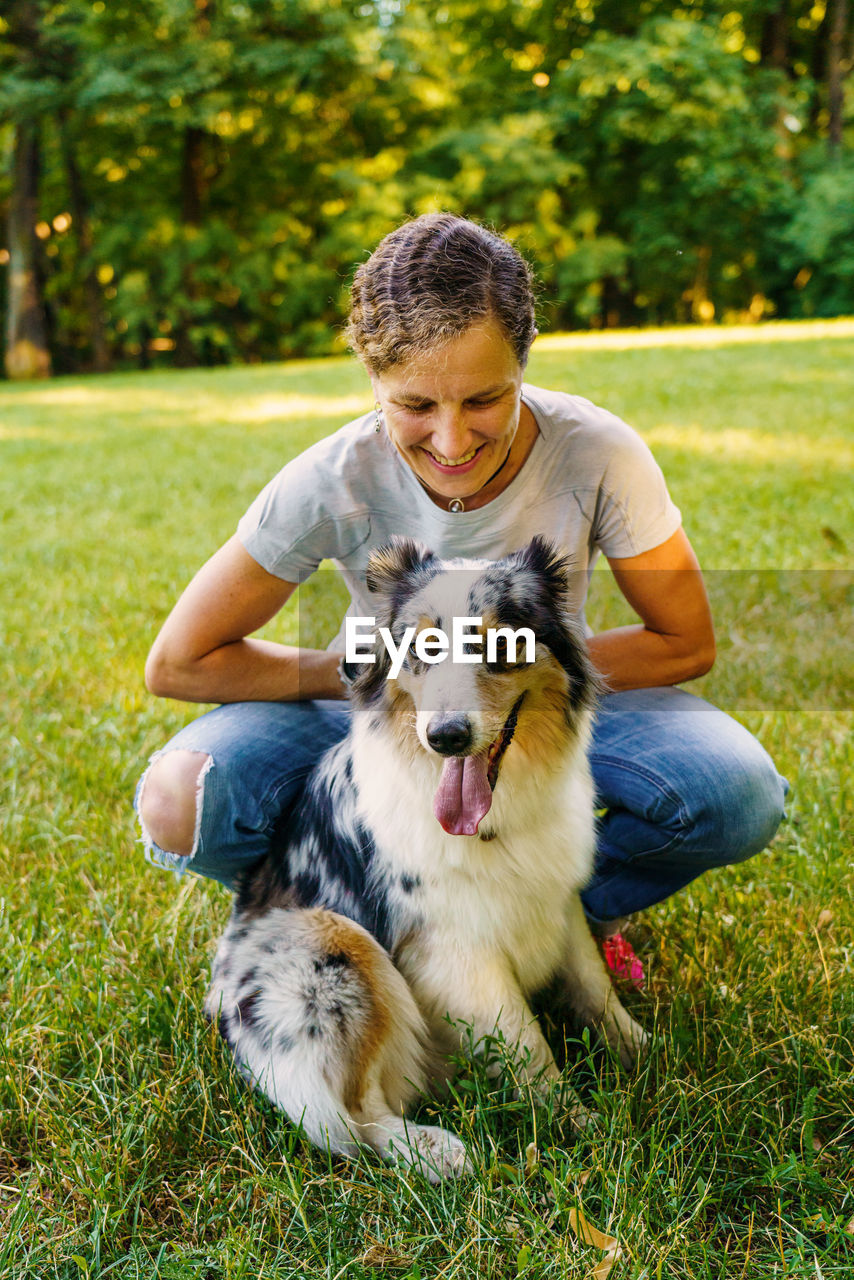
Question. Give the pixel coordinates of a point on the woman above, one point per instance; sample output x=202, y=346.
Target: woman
x=461, y=456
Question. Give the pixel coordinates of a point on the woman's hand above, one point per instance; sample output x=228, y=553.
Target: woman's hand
x=202, y=654
x=675, y=639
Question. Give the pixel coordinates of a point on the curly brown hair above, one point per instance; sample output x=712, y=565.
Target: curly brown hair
x=428, y=281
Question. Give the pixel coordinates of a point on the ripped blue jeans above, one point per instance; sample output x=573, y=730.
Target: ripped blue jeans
x=684, y=788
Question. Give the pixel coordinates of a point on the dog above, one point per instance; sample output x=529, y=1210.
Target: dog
x=429, y=878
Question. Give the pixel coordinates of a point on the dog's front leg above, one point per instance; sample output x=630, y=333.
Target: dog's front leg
x=588, y=988
x=480, y=1002
x=471, y=1000
x=505, y=1016
x=529, y=1060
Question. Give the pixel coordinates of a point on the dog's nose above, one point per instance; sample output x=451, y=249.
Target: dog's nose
x=450, y=736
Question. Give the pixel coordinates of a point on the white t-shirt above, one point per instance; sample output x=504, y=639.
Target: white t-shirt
x=589, y=484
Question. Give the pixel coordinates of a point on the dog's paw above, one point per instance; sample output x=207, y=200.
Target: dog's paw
x=580, y=1118
x=630, y=1043
x=551, y=1089
x=538, y=1086
x=540, y=1090
x=433, y=1151
x=617, y=1029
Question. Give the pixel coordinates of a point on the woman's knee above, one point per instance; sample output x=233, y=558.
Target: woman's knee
x=169, y=800
x=745, y=807
x=765, y=794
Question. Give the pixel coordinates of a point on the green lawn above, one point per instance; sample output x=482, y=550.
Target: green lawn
x=127, y=1146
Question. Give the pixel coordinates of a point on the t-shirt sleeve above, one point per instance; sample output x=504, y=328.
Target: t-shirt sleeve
x=634, y=511
x=301, y=518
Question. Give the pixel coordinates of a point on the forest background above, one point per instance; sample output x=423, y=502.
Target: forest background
x=191, y=181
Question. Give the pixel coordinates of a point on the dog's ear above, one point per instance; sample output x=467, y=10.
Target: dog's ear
x=370, y=677
x=398, y=568
x=547, y=608
x=542, y=558
x=394, y=571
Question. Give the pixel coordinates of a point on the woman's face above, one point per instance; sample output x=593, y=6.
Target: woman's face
x=453, y=413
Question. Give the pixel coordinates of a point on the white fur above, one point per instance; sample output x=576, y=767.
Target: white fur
x=482, y=923
x=502, y=916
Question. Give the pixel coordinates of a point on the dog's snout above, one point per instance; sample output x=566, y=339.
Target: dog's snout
x=450, y=735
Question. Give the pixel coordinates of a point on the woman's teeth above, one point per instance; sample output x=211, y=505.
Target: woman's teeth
x=453, y=462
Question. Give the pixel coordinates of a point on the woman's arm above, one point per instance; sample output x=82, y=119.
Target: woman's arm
x=675, y=639
x=202, y=654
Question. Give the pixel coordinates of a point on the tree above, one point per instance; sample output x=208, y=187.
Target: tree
x=27, y=354
x=203, y=173
x=838, y=63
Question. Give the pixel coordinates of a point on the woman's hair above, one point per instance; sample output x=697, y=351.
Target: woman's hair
x=431, y=279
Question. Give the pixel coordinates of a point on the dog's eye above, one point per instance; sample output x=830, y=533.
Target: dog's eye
x=413, y=663
x=503, y=660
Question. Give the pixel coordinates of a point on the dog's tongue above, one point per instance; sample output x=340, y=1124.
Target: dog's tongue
x=463, y=796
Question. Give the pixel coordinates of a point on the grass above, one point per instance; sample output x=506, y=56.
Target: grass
x=127, y=1146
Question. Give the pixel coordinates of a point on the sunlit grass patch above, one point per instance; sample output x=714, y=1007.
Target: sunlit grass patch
x=128, y=1147
x=699, y=337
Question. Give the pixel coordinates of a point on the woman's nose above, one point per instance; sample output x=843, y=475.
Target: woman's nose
x=451, y=436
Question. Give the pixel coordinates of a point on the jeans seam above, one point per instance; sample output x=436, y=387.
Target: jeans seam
x=270, y=808
x=655, y=781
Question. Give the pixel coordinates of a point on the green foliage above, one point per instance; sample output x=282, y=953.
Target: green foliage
x=677, y=147
x=234, y=160
x=819, y=239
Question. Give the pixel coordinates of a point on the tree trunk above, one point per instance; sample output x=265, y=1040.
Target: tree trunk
x=193, y=194
x=774, y=45
x=27, y=352
x=838, y=12
x=193, y=200
x=193, y=185
x=83, y=231
x=702, y=307
x=774, y=51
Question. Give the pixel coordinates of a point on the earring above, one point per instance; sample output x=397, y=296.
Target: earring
x=378, y=418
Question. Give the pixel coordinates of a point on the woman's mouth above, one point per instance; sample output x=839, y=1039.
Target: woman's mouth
x=456, y=465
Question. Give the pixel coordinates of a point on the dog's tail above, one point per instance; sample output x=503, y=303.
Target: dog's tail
x=319, y=1019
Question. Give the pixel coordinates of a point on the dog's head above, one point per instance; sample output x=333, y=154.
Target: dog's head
x=471, y=656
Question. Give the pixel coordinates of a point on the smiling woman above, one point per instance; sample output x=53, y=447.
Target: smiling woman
x=456, y=418
x=463, y=455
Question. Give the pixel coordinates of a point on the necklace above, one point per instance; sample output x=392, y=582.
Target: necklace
x=456, y=505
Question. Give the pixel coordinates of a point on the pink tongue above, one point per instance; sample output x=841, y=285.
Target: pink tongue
x=463, y=796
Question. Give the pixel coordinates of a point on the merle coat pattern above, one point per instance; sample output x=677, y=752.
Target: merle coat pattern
x=429, y=878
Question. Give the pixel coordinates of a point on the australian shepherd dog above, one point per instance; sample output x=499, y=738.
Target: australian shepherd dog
x=427, y=885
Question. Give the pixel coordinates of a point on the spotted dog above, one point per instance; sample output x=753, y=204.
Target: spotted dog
x=429, y=879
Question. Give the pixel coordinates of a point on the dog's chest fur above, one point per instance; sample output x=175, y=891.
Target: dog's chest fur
x=469, y=897
x=366, y=844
